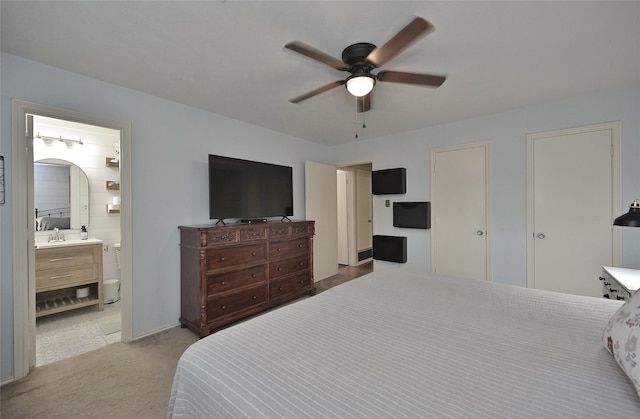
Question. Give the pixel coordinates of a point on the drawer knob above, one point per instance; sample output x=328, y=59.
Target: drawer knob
x=613, y=290
x=253, y=275
x=279, y=288
x=223, y=283
x=278, y=249
x=620, y=298
x=224, y=307
x=279, y=268
x=601, y=278
x=255, y=297
x=222, y=259
x=300, y=246
x=253, y=253
x=301, y=263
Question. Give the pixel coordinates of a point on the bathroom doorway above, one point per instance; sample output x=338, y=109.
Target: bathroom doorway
x=24, y=114
x=76, y=190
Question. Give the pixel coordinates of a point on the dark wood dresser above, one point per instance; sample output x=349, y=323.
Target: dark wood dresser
x=233, y=271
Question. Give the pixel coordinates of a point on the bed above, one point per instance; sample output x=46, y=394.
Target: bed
x=397, y=343
x=53, y=218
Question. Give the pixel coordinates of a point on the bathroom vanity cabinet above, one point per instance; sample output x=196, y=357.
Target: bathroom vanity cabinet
x=61, y=271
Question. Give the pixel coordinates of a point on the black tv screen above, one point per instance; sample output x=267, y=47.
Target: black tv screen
x=249, y=190
x=389, y=181
x=412, y=214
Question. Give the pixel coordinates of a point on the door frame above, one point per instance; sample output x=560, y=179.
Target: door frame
x=23, y=229
x=616, y=188
x=488, y=194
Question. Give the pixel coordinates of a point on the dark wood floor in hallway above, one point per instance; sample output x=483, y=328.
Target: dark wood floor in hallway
x=345, y=273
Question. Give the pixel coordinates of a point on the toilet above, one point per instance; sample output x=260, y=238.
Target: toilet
x=111, y=287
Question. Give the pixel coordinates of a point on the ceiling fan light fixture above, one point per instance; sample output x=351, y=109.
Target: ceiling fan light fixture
x=360, y=85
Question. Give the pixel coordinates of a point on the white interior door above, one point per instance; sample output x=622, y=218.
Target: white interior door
x=364, y=207
x=460, y=211
x=343, y=236
x=571, y=209
x=321, y=206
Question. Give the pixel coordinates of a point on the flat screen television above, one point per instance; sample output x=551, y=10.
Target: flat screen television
x=249, y=190
x=412, y=214
x=389, y=181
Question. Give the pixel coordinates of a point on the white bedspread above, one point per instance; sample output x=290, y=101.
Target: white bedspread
x=402, y=344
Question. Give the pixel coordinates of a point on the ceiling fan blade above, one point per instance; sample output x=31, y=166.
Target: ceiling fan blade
x=364, y=103
x=411, y=78
x=316, y=54
x=400, y=41
x=317, y=91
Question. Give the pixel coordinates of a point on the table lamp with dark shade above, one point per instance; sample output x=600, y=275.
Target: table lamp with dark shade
x=630, y=219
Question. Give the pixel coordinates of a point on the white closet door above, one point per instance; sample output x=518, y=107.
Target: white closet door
x=571, y=196
x=460, y=192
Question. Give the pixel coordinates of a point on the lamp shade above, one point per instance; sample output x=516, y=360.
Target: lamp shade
x=630, y=219
x=360, y=85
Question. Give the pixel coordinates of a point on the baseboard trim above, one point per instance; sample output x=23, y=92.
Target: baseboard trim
x=7, y=381
x=156, y=331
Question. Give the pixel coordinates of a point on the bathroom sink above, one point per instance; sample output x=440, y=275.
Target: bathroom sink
x=73, y=242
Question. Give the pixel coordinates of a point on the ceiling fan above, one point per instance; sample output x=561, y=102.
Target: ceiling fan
x=362, y=58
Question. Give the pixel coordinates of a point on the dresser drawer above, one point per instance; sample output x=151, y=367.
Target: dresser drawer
x=66, y=257
x=287, y=285
x=222, y=306
x=255, y=233
x=288, y=248
x=49, y=278
x=288, y=266
x=232, y=280
x=279, y=231
x=231, y=256
x=216, y=237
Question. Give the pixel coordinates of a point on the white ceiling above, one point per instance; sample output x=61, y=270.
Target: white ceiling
x=227, y=57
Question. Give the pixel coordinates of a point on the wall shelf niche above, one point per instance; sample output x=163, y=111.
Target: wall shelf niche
x=113, y=209
x=112, y=163
x=113, y=185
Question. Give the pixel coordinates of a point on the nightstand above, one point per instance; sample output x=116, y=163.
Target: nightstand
x=619, y=283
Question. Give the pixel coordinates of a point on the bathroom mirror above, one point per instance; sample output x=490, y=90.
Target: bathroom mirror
x=61, y=195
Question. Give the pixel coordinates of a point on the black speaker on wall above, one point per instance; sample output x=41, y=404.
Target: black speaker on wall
x=412, y=214
x=390, y=248
x=389, y=181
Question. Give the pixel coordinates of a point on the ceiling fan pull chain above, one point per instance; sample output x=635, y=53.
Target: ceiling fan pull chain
x=356, y=123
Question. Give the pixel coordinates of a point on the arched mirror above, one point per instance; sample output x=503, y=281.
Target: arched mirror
x=60, y=195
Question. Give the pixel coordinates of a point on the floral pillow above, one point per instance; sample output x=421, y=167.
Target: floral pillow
x=621, y=338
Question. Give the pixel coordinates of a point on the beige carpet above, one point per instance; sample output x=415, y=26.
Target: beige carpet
x=121, y=380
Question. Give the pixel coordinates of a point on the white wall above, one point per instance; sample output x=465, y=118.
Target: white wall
x=170, y=144
x=507, y=133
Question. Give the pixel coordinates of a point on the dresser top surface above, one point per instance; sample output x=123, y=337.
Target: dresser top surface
x=245, y=225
